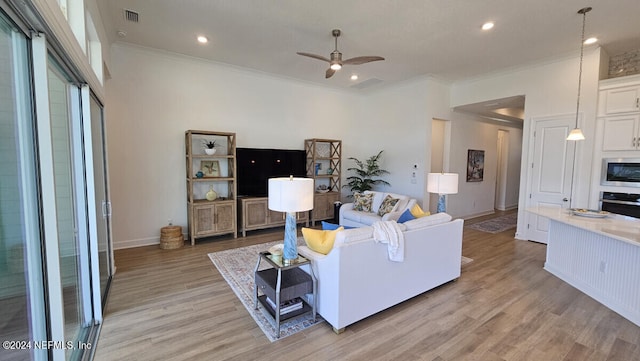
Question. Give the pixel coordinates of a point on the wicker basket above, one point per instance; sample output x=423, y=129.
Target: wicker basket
x=171, y=237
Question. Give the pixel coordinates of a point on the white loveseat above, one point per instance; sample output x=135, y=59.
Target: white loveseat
x=356, y=279
x=351, y=217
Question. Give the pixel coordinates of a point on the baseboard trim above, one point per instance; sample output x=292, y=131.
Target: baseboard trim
x=475, y=215
x=140, y=242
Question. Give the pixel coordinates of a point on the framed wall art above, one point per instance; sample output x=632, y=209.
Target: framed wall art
x=210, y=168
x=475, y=165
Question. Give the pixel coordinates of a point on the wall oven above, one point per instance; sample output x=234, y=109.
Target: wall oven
x=623, y=172
x=627, y=204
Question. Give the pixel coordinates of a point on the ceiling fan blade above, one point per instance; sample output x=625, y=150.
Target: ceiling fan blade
x=319, y=57
x=329, y=73
x=362, y=59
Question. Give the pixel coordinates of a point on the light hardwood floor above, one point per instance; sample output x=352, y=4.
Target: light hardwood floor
x=174, y=305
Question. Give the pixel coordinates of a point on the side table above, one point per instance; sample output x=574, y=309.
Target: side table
x=282, y=283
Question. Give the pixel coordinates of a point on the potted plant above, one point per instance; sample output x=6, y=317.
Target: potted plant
x=209, y=146
x=363, y=180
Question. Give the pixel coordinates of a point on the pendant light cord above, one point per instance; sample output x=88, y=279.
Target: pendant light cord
x=584, y=20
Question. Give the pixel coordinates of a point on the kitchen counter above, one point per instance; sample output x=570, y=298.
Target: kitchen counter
x=598, y=256
x=622, y=228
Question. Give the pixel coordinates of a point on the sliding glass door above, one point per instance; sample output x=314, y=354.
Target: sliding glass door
x=55, y=255
x=22, y=292
x=71, y=210
x=101, y=195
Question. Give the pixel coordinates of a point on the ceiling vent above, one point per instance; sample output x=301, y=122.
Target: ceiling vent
x=131, y=15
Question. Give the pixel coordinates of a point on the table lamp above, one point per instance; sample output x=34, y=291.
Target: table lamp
x=442, y=183
x=290, y=195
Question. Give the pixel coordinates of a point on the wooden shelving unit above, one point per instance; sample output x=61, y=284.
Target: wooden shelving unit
x=217, y=216
x=324, y=165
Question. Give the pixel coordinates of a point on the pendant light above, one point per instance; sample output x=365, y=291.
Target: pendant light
x=576, y=133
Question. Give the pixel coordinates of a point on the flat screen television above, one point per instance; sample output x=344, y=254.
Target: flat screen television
x=256, y=166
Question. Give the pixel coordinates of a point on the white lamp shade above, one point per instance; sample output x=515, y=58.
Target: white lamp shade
x=576, y=134
x=442, y=183
x=290, y=194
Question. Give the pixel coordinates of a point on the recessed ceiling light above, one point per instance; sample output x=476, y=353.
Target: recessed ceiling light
x=354, y=77
x=590, y=41
x=202, y=39
x=488, y=25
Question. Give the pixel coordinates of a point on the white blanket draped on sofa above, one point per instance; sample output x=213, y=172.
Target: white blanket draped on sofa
x=389, y=232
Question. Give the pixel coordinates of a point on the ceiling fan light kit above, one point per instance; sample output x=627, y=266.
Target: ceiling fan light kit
x=335, y=61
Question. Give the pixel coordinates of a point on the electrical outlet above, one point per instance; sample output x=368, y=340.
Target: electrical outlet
x=603, y=267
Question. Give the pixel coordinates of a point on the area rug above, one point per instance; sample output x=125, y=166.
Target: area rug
x=237, y=266
x=496, y=225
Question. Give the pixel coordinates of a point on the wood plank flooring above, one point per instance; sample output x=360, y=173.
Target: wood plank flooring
x=174, y=305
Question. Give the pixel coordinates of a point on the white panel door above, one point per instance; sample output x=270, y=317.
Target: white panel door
x=551, y=172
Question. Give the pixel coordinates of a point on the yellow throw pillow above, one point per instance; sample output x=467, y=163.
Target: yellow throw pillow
x=417, y=212
x=318, y=240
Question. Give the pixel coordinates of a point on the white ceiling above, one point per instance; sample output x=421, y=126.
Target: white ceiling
x=417, y=37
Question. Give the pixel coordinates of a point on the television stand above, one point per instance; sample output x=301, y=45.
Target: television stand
x=254, y=214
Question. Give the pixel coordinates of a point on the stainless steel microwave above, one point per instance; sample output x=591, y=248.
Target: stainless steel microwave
x=623, y=172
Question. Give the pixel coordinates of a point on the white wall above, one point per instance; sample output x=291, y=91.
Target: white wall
x=478, y=198
x=398, y=120
x=550, y=89
x=153, y=97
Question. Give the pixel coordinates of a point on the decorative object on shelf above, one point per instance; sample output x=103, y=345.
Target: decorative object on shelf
x=365, y=171
x=209, y=147
x=210, y=168
x=442, y=184
x=199, y=174
x=576, y=133
x=329, y=171
x=290, y=195
x=276, y=251
x=211, y=194
x=318, y=166
x=322, y=188
x=475, y=165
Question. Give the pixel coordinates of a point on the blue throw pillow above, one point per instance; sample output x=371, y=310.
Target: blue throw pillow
x=406, y=216
x=326, y=226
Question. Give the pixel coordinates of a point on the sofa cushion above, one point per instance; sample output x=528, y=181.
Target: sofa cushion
x=366, y=218
x=327, y=226
x=388, y=205
x=363, y=202
x=417, y=212
x=427, y=221
x=318, y=240
x=406, y=216
x=378, y=198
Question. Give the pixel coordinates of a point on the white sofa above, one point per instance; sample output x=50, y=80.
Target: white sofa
x=356, y=279
x=351, y=217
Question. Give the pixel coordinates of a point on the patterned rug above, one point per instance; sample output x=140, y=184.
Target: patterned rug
x=496, y=225
x=237, y=266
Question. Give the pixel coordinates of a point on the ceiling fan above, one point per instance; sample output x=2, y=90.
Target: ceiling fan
x=336, y=62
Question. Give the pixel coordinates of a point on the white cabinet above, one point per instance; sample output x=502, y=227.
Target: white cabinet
x=619, y=111
x=622, y=100
x=619, y=96
x=621, y=133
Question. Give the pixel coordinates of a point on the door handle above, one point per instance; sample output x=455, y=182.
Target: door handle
x=565, y=199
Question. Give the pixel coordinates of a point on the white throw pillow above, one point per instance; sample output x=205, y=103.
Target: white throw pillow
x=427, y=221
